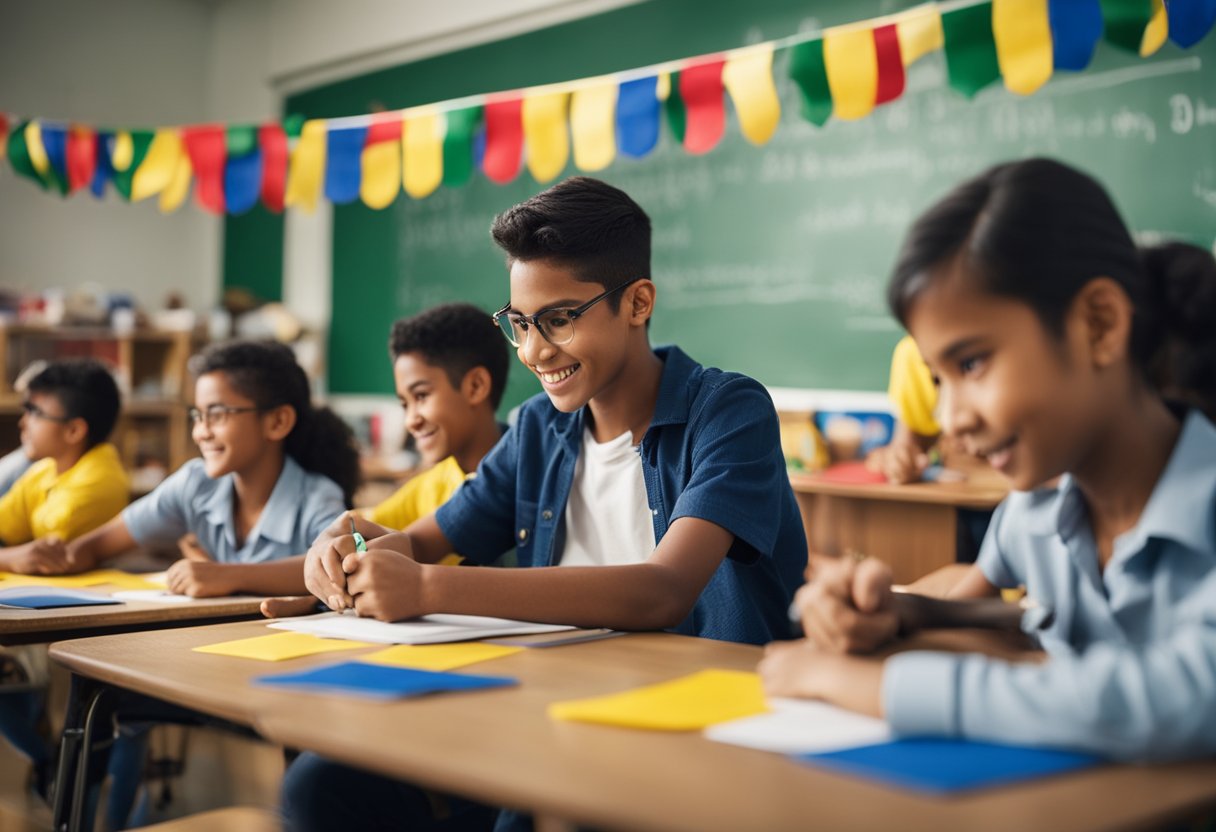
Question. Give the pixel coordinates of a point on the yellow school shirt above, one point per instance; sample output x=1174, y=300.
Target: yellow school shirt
x=44, y=502
x=911, y=389
x=420, y=496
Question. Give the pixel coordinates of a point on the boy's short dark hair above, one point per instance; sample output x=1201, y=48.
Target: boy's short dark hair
x=588, y=226
x=455, y=337
x=85, y=389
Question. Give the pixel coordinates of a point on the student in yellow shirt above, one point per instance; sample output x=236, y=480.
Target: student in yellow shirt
x=78, y=482
x=914, y=396
x=450, y=370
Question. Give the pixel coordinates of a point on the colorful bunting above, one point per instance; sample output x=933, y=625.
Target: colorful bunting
x=1126, y=21
x=637, y=116
x=701, y=91
x=504, y=139
x=852, y=66
x=103, y=168
x=55, y=145
x=461, y=126
x=175, y=193
x=809, y=72
x=207, y=147
x=748, y=77
x=272, y=139
x=159, y=166
x=1190, y=20
x=422, y=154
x=130, y=149
x=1157, y=30
x=920, y=33
x=307, y=166
x=1076, y=28
x=971, y=62
x=343, y=169
x=3, y=130
x=544, y=124
x=19, y=155
x=673, y=108
x=891, y=76
x=381, y=163
x=1022, y=31
x=593, y=126
x=243, y=169
x=82, y=157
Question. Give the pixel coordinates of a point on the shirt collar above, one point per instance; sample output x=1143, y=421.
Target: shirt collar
x=278, y=518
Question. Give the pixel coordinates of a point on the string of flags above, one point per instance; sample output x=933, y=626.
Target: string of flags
x=840, y=73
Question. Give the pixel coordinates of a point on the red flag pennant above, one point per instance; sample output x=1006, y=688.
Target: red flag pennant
x=273, y=142
x=705, y=108
x=890, y=64
x=82, y=157
x=207, y=147
x=504, y=139
x=383, y=130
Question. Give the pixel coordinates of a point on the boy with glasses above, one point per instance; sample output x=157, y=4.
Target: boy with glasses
x=645, y=491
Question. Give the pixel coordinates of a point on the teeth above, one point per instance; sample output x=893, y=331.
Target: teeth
x=554, y=378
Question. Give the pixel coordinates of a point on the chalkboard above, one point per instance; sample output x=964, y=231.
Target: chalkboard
x=768, y=260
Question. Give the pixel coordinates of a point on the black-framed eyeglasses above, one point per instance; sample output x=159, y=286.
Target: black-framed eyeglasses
x=555, y=325
x=217, y=414
x=37, y=412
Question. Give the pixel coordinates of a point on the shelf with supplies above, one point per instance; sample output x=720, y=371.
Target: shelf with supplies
x=150, y=365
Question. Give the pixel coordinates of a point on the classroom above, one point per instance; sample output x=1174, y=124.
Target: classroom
x=906, y=308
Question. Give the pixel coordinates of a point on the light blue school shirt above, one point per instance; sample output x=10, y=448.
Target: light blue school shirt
x=301, y=505
x=1132, y=651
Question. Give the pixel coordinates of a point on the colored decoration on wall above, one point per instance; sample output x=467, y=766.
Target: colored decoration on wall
x=845, y=72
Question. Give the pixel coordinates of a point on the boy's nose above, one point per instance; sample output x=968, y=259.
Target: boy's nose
x=954, y=413
x=535, y=348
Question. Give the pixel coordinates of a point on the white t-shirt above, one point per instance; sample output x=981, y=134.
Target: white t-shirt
x=608, y=520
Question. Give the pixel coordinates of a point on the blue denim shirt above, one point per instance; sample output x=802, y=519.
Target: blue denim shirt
x=1132, y=651
x=712, y=451
x=301, y=505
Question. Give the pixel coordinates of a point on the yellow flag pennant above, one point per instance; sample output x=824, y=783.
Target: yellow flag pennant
x=422, y=167
x=1157, y=30
x=545, y=139
x=852, y=66
x=748, y=77
x=381, y=162
x=123, y=153
x=1022, y=33
x=175, y=193
x=306, y=177
x=920, y=32
x=159, y=165
x=593, y=125
x=35, y=147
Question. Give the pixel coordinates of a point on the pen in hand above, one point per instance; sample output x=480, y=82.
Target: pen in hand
x=360, y=547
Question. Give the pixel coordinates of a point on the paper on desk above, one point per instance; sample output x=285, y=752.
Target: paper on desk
x=155, y=596
x=278, y=646
x=380, y=682
x=430, y=629
x=438, y=656
x=797, y=726
x=115, y=577
x=49, y=598
x=686, y=704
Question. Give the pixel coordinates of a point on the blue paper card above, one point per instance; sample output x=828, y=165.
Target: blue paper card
x=942, y=766
x=380, y=681
x=49, y=598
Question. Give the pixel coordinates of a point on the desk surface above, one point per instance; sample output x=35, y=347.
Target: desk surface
x=26, y=626
x=500, y=746
x=979, y=492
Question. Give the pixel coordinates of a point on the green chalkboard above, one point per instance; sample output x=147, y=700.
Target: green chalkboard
x=769, y=260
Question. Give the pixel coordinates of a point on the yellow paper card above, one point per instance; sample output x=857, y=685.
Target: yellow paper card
x=280, y=646
x=686, y=704
x=116, y=577
x=438, y=656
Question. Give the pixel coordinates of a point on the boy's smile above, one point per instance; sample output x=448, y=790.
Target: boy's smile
x=436, y=414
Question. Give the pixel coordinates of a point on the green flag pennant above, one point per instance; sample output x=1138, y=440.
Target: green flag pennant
x=1125, y=22
x=241, y=140
x=19, y=156
x=808, y=70
x=293, y=124
x=458, y=145
x=971, y=60
x=673, y=108
x=140, y=141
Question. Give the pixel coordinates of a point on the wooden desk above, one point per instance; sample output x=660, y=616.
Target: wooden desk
x=500, y=746
x=912, y=527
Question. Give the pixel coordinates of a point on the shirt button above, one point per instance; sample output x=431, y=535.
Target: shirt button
x=654, y=511
x=546, y=514
x=523, y=534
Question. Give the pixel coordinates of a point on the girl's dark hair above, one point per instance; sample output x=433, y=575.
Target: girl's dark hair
x=1037, y=231
x=267, y=373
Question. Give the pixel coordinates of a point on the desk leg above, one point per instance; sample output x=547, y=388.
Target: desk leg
x=83, y=750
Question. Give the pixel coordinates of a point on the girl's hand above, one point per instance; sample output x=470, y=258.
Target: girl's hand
x=796, y=669
x=45, y=556
x=323, y=573
x=386, y=585
x=847, y=605
x=199, y=579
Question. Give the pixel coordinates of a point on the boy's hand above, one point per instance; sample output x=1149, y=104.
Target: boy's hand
x=900, y=463
x=191, y=549
x=323, y=573
x=288, y=606
x=847, y=606
x=386, y=585
x=199, y=579
x=797, y=669
x=45, y=556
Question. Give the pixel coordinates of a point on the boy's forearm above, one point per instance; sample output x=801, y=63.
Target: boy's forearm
x=279, y=577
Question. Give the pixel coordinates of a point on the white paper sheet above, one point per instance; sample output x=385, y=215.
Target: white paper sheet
x=156, y=596
x=797, y=726
x=430, y=629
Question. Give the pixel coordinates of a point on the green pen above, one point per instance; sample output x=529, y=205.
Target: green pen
x=360, y=543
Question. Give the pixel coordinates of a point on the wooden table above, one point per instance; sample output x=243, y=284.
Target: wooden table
x=914, y=527
x=500, y=747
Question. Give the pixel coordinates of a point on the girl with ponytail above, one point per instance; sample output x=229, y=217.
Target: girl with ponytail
x=1081, y=368
x=274, y=472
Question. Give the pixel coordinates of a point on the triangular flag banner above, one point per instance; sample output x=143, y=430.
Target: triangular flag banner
x=920, y=32
x=207, y=146
x=1190, y=20
x=1157, y=31
x=130, y=148
x=808, y=71
x=504, y=139
x=891, y=76
x=19, y=156
x=381, y=163
x=593, y=125
x=3, y=130
x=82, y=157
x=307, y=166
x=1076, y=28
x=1022, y=31
x=460, y=127
x=272, y=140
x=748, y=77
x=545, y=137
x=422, y=154
x=158, y=167
x=701, y=90
x=55, y=144
x=852, y=65
x=175, y=193
x=637, y=116
x=243, y=169
x=479, y=145
x=103, y=169
x=343, y=163
x=971, y=62
x=1126, y=21
x=673, y=108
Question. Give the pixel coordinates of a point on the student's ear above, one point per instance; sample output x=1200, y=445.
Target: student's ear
x=76, y=431
x=475, y=386
x=1104, y=311
x=639, y=302
x=279, y=422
